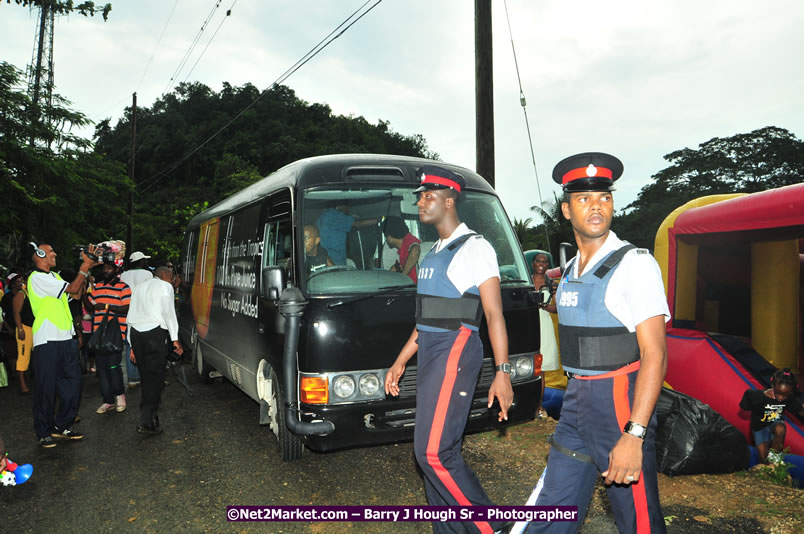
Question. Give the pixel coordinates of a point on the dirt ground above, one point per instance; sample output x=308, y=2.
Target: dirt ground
x=735, y=502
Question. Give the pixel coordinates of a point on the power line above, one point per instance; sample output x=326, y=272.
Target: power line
x=153, y=180
x=157, y=45
x=228, y=13
x=192, y=47
x=523, y=102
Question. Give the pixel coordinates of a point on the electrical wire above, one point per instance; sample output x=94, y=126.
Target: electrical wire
x=523, y=102
x=157, y=45
x=192, y=47
x=156, y=178
x=228, y=13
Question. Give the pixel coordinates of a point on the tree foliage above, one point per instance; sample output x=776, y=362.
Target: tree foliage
x=62, y=195
x=67, y=7
x=268, y=130
x=766, y=158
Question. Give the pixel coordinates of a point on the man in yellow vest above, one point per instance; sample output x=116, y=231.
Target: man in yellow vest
x=55, y=353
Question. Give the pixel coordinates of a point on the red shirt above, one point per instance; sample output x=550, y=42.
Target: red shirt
x=404, y=251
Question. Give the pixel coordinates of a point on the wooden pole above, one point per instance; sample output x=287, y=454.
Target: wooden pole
x=484, y=91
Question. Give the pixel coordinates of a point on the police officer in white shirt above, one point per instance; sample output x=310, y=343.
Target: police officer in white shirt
x=611, y=313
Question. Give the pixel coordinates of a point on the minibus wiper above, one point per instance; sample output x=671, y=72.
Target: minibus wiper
x=513, y=282
x=380, y=291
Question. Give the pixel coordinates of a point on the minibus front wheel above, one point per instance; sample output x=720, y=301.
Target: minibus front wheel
x=290, y=446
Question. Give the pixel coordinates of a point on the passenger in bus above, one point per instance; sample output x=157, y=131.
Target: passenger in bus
x=399, y=237
x=316, y=256
x=334, y=225
x=458, y=283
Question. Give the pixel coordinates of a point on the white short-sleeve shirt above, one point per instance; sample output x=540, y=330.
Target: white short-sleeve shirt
x=636, y=290
x=474, y=263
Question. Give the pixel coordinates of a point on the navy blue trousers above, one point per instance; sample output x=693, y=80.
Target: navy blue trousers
x=594, y=411
x=448, y=365
x=57, y=372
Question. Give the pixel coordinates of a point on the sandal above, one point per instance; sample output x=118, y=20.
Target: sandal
x=542, y=414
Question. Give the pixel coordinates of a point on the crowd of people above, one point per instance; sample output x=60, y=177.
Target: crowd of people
x=51, y=316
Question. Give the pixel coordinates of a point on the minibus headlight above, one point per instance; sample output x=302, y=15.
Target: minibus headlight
x=369, y=385
x=343, y=386
x=523, y=367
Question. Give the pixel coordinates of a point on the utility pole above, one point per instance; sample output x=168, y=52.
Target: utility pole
x=133, y=152
x=484, y=92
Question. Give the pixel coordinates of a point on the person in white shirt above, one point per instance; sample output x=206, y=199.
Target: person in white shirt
x=458, y=284
x=153, y=327
x=612, y=311
x=136, y=274
x=138, y=271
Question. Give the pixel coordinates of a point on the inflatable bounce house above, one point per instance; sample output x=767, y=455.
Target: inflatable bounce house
x=732, y=267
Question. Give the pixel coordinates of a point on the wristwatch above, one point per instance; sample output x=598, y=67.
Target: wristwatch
x=635, y=429
x=504, y=367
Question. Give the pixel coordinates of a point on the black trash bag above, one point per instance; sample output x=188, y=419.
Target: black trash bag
x=692, y=438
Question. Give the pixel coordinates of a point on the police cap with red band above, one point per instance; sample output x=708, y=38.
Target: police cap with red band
x=589, y=171
x=433, y=177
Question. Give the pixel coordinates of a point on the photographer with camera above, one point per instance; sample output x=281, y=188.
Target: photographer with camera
x=547, y=335
x=56, y=366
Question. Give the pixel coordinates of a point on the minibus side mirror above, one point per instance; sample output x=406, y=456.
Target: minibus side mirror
x=272, y=282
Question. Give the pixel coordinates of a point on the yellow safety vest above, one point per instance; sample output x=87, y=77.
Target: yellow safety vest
x=55, y=310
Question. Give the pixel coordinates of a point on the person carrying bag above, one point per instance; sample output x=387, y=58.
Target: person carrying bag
x=107, y=346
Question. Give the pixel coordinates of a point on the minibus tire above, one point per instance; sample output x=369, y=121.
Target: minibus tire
x=202, y=368
x=290, y=446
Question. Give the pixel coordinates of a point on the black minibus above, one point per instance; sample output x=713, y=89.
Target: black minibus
x=312, y=347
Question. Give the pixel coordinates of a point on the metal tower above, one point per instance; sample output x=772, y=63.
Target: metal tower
x=40, y=76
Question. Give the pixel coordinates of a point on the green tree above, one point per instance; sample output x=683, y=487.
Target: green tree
x=62, y=195
x=67, y=7
x=553, y=227
x=766, y=158
x=188, y=153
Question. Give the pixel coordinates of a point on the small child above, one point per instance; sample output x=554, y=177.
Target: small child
x=766, y=409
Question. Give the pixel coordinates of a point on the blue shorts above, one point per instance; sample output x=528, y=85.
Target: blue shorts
x=766, y=434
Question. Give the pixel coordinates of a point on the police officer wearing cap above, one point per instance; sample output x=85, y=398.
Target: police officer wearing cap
x=458, y=284
x=612, y=311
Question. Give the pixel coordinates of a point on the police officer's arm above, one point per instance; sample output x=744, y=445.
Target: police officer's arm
x=396, y=370
x=625, y=459
x=492, y=307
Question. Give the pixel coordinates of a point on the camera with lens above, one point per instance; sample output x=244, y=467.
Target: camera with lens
x=103, y=253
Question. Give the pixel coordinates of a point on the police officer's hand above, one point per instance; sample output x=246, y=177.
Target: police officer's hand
x=501, y=388
x=625, y=461
x=392, y=378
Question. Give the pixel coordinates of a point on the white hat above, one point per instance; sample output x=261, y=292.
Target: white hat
x=137, y=256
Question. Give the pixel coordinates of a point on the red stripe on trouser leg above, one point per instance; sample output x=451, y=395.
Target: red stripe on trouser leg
x=442, y=405
x=622, y=410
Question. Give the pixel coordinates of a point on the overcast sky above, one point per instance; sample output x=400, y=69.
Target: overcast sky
x=636, y=79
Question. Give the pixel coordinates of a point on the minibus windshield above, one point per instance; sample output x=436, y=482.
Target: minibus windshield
x=364, y=239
